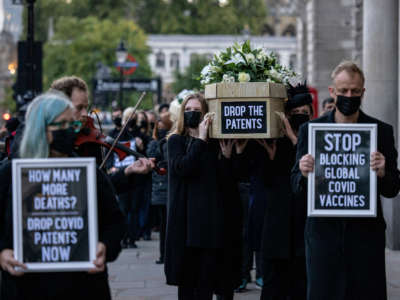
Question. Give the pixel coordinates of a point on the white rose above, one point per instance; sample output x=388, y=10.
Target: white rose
x=225, y=78
x=262, y=55
x=228, y=78
x=250, y=57
x=243, y=77
x=275, y=74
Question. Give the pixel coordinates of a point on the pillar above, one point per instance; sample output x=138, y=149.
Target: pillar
x=380, y=64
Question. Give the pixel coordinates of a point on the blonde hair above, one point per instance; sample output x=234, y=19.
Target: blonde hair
x=350, y=67
x=126, y=114
x=179, y=125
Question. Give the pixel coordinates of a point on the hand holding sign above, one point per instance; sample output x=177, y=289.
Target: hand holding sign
x=306, y=164
x=100, y=260
x=8, y=262
x=378, y=163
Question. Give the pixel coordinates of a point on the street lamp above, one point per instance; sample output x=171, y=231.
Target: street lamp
x=121, y=54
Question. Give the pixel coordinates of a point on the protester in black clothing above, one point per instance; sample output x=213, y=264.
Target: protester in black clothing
x=48, y=134
x=158, y=149
x=327, y=106
x=203, y=240
x=117, y=120
x=345, y=257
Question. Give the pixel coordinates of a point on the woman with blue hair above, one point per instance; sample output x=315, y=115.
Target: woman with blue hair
x=50, y=131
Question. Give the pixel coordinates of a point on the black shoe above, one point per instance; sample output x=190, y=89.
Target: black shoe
x=242, y=286
x=160, y=261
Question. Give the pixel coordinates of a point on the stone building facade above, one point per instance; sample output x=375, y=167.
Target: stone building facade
x=175, y=52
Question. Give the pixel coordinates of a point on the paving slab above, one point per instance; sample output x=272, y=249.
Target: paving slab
x=135, y=276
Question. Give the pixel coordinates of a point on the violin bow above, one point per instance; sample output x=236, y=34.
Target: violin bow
x=122, y=130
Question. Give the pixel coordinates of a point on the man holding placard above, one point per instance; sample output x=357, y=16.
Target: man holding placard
x=345, y=256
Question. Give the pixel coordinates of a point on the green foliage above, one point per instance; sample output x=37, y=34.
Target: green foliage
x=79, y=44
x=47, y=11
x=8, y=103
x=189, y=79
x=199, y=16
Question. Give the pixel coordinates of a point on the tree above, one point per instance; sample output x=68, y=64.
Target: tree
x=47, y=11
x=79, y=44
x=189, y=79
x=199, y=16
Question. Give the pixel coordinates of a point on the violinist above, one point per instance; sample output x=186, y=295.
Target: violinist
x=77, y=91
x=49, y=132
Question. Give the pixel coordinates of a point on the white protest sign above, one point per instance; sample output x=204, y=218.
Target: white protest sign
x=342, y=183
x=55, y=213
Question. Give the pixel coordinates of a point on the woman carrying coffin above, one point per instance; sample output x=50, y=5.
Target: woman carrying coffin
x=50, y=132
x=276, y=221
x=203, y=239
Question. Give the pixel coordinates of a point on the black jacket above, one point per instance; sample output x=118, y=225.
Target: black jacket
x=68, y=285
x=345, y=256
x=204, y=208
x=272, y=212
x=159, y=185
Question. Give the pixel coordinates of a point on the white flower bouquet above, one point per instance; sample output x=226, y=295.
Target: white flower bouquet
x=241, y=63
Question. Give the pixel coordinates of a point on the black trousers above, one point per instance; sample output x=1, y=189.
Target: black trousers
x=162, y=212
x=284, y=279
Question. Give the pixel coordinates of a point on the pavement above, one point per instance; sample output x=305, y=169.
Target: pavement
x=135, y=276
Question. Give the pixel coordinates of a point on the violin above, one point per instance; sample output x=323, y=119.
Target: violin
x=90, y=134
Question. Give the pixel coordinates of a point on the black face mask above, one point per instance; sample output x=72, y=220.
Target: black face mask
x=63, y=140
x=118, y=121
x=192, y=118
x=152, y=124
x=162, y=133
x=132, y=124
x=143, y=124
x=348, y=105
x=297, y=120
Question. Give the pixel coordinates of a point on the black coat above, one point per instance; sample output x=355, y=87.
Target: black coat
x=204, y=208
x=159, y=184
x=64, y=285
x=346, y=256
x=272, y=213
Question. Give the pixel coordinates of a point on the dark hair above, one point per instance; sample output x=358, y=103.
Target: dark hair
x=68, y=83
x=327, y=101
x=162, y=106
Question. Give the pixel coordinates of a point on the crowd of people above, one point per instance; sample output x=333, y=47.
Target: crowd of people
x=221, y=202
